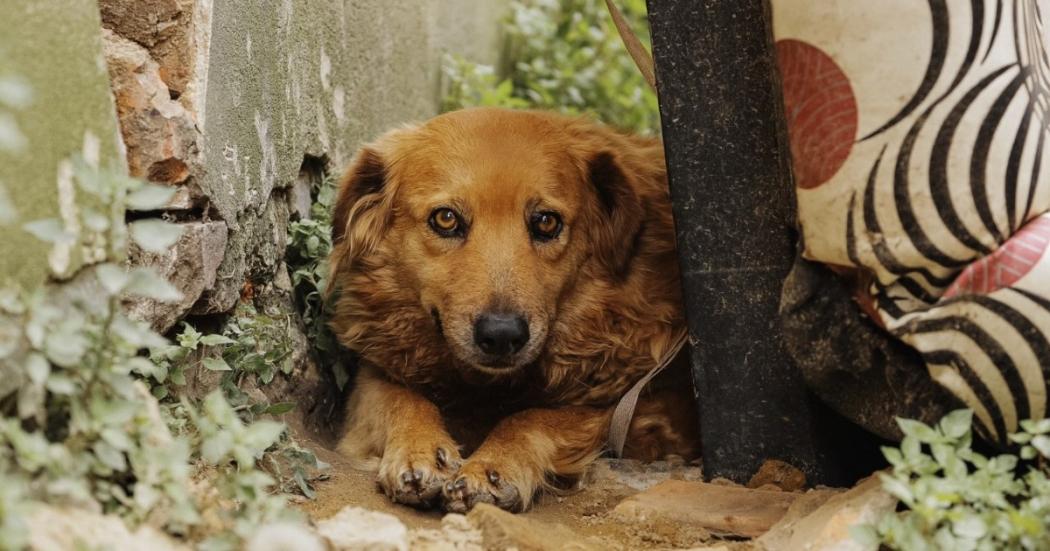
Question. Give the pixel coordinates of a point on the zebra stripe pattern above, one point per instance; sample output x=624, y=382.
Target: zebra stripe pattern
x=944, y=203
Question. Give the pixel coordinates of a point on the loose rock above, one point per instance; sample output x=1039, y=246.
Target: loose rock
x=827, y=527
x=60, y=529
x=190, y=266
x=284, y=536
x=456, y=534
x=357, y=529
x=780, y=474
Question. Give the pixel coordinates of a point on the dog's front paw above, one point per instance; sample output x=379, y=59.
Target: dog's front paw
x=480, y=482
x=414, y=474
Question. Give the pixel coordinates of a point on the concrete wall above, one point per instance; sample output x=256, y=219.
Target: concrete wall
x=316, y=77
x=223, y=99
x=54, y=47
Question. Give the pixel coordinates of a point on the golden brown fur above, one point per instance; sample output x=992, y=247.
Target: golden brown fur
x=600, y=300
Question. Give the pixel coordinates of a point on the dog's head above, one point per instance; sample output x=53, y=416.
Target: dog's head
x=489, y=217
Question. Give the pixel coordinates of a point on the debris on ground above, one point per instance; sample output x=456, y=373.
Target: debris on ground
x=503, y=530
x=623, y=505
x=722, y=509
x=776, y=474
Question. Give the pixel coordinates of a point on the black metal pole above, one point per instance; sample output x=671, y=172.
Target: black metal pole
x=731, y=188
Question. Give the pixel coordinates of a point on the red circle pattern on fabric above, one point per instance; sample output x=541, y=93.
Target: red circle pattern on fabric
x=821, y=112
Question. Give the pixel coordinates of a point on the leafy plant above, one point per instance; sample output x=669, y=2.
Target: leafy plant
x=15, y=95
x=227, y=444
x=309, y=243
x=78, y=425
x=957, y=498
x=564, y=55
x=251, y=345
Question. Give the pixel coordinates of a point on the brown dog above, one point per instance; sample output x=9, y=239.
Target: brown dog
x=504, y=275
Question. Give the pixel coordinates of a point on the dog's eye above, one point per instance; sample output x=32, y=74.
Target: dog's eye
x=545, y=226
x=446, y=222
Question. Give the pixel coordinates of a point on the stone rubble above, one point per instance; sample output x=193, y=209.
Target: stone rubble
x=164, y=27
x=191, y=266
x=159, y=133
x=827, y=528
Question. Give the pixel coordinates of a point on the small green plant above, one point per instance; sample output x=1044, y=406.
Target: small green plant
x=562, y=55
x=251, y=345
x=309, y=243
x=228, y=445
x=956, y=498
x=78, y=424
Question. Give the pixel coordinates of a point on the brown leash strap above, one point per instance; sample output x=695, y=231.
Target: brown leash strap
x=624, y=412
x=642, y=58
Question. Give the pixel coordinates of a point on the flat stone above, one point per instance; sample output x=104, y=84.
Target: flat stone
x=503, y=530
x=805, y=505
x=456, y=534
x=159, y=133
x=61, y=528
x=357, y=529
x=284, y=536
x=780, y=474
x=719, y=508
x=190, y=265
x=826, y=528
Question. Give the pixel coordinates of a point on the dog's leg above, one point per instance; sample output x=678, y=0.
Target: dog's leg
x=522, y=451
x=405, y=430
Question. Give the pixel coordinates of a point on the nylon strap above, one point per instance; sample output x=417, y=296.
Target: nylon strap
x=642, y=58
x=624, y=412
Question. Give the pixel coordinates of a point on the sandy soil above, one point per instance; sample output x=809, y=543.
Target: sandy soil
x=585, y=512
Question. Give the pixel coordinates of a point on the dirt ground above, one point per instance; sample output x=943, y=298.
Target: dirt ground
x=585, y=512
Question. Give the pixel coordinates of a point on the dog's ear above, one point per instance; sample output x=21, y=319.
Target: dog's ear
x=620, y=213
x=362, y=210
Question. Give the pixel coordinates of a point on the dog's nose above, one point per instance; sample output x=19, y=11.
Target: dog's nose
x=501, y=334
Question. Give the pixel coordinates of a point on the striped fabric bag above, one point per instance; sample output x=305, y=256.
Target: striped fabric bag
x=918, y=135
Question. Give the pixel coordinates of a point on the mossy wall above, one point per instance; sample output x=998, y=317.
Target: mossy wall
x=54, y=47
x=223, y=99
